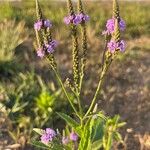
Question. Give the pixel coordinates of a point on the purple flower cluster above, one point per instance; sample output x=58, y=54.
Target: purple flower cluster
x=110, y=26
x=47, y=48
x=73, y=137
x=48, y=136
x=42, y=24
x=76, y=19
x=113, y=46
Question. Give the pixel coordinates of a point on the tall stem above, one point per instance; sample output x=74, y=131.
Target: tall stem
x=102, y=75
x=65, y=92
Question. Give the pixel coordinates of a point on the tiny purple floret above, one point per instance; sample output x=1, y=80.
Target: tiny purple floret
x=47, y=23
x=73, y=136
x=40, y=53
x=77, y=20
x=68, y=19
x=51, y=46
x=112, y=46
x=84, y=17
x=121, y=45
x=38, y=25
x=122, y=25
x=54, y=43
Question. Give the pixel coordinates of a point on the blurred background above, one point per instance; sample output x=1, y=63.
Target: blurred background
x=29, y=93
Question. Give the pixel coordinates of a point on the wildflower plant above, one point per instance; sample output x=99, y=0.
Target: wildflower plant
x=91, y=129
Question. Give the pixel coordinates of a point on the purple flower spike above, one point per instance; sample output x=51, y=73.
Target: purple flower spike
x=73, y=136
x=40, y=53
x=38, y=25
x=65, y=140
x=121, y=45
x=47, y=23
x=112, y=46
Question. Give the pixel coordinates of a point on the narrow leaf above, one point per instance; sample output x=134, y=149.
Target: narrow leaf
x=38, y=131
x=97, y=145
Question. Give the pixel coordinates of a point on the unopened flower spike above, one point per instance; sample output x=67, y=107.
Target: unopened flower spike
x=84, y=40
x=116, y=9
x=75, y=50
x=38, y=11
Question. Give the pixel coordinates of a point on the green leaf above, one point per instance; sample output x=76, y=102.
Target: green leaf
x=69, y=120
x=85, y=141
x=121, y=124
x=97, y=145
x=38, y=131
x=40, y=145
x=98, y=129
x=72, y=123
x=117, y=136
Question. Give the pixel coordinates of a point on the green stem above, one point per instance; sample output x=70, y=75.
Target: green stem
x=102, y=75
x=65, y=92
x=79, y=103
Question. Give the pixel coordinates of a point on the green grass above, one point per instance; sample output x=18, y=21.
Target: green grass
x=136, y=14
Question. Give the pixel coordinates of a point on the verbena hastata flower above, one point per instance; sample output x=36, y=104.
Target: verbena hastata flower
x=40, y=53
x=113, y=46
x=47, y=48
x=110, y=26
x=73, y=136
x=38, y=25
x=47, y=23
x=42, y=24
x=51, y=46
x=76, y=19
x=48, y=136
